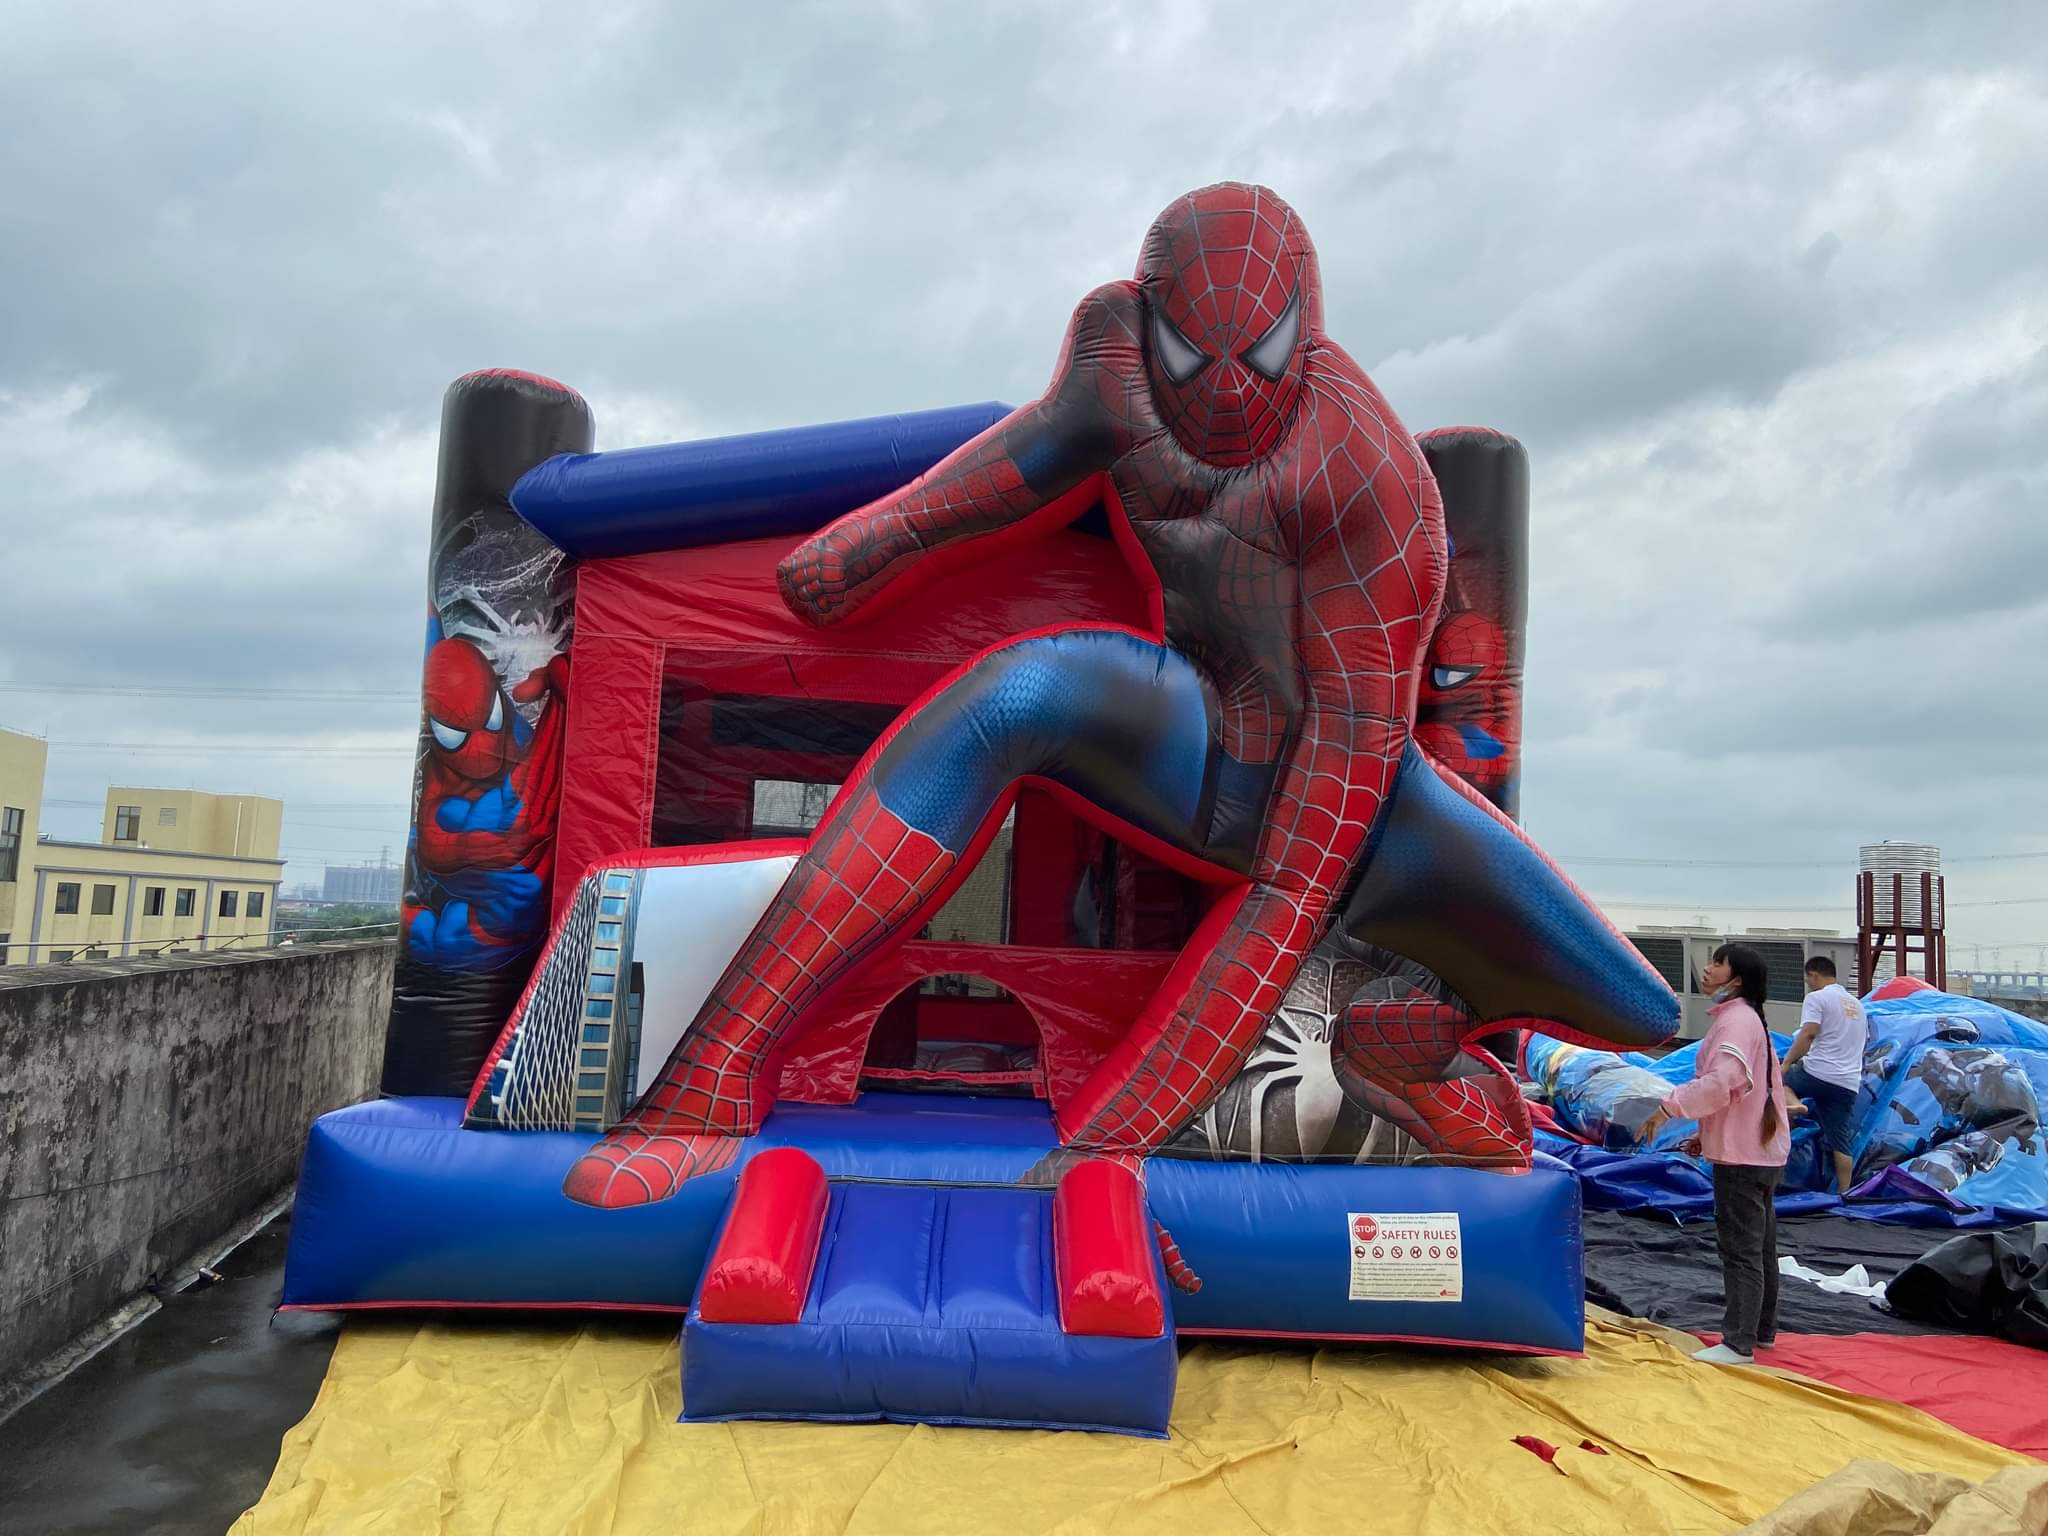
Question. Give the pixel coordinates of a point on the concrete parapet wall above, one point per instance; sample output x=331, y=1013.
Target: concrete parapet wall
x=147, y=1107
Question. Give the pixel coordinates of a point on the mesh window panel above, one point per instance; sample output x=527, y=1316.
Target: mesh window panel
x=532, y=1086
x=734, y=767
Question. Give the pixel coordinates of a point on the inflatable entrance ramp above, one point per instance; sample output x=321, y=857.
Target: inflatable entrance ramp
x=1001, y=1307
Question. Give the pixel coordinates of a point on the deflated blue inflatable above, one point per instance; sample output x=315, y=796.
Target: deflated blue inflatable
x=1607, y=1096
x=1949, y=1125
x=1951, y=1105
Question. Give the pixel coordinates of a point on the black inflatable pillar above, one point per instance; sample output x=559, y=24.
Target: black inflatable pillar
x=1469, y=717
x=480, y=860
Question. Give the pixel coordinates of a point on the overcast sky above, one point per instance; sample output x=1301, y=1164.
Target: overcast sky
x=1763, y=288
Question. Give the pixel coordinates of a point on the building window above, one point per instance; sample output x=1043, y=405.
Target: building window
x=127, y=823
x=789, y=807
x=95, y=954
x=1667, y=955
x=10, y=842
x=5, y=940
x=152, y=901
x=187, y=900
x=103, y=901
x=167, y=816
x=1784, y=969
x=227, y=903
x=255, y=903
x=61, y=956
x=67, y=897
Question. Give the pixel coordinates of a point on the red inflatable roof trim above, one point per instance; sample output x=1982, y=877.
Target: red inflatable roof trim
x=520, y=373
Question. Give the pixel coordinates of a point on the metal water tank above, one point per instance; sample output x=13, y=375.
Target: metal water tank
x=1911, y=860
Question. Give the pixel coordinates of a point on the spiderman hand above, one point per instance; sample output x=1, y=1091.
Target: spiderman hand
x=813, y=578
x=549, y=680
x=828, y=576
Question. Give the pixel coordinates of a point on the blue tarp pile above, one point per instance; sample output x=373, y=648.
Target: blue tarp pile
x=1949, y=1121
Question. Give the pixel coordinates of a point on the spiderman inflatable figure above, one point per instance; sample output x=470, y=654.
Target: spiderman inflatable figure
x=1258, y=736
x=482, y=843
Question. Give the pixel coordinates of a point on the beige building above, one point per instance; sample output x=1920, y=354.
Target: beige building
x=189, y=821
x=22, y=759
x=175, y=869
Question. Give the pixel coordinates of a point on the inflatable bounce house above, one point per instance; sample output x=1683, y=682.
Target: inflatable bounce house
x=945, y=901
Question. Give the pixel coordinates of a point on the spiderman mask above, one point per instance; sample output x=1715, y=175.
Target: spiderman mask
x=1234, y=296
x=466, y=710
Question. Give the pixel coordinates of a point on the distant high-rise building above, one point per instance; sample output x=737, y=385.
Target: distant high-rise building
x=377, y=885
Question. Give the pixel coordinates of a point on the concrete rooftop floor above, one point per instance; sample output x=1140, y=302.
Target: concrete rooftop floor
x=174, y=1427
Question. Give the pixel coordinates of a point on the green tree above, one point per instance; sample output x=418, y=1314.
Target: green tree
x=340, y=921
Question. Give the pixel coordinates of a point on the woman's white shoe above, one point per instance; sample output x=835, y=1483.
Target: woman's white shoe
x=1721, y=1354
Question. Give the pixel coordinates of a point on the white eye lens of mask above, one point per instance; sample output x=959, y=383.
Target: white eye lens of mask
x=451, y=739
x=1181, y=358
x=1270, y=353
x=497, y=719
x=1452, y=677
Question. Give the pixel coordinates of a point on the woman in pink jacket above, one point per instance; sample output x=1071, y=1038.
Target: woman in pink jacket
x=1738, y=1098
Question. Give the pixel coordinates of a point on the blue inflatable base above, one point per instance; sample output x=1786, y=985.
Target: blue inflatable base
x=931, y=1305
x=399, y=1206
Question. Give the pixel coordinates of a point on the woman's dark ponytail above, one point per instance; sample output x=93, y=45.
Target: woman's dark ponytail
x=1754, y=982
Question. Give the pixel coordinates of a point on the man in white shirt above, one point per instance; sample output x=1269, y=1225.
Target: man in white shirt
x=1824, y=1067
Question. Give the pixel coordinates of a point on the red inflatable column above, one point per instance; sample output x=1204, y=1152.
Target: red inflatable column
x=1104, y=1259
x=486, y=784
x=761, y=1269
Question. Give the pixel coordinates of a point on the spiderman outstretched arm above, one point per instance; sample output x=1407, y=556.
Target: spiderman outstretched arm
x=1036, y=468
x=1372, y=571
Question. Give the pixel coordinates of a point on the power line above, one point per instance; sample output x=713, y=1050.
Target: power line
x=1775, y=906
x=1617, y=861
x=198, y=691
x=1708, y=906
x=243, y=749
x=294, y=805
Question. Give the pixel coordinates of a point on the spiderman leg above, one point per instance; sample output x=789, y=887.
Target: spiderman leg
x=1453, y=885
x=1406, y=1060
x=1124, y=722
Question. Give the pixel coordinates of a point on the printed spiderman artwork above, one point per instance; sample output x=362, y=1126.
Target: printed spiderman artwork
x=1468, y=719
x=1257, y=738
x=482, y=843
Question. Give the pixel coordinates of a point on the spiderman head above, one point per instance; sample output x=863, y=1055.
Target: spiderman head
x=466, y=710
x=1467, y=653
x=1465, y=709
x=1234, y=299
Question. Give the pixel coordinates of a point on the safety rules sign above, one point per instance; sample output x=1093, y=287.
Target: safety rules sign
x=1406, y=1257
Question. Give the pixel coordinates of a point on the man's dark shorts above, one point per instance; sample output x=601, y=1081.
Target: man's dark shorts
x=1833, y=1107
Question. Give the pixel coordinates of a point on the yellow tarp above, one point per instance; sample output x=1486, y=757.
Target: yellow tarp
x=1869, y=1498
x=467, y=1428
